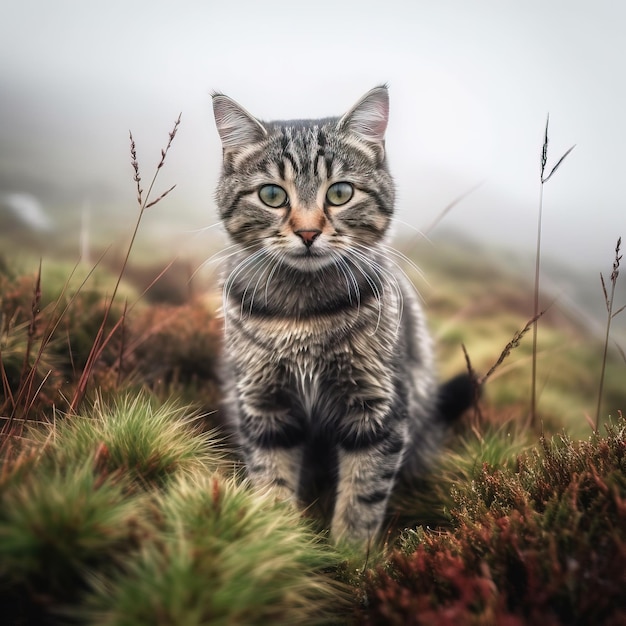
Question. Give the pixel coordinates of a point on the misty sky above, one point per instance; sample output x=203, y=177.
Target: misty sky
x=470, y=84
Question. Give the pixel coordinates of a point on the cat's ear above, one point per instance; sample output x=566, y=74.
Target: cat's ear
x=369, y=116
x=236, y=127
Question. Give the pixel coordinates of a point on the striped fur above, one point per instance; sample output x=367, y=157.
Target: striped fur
x=328, y=363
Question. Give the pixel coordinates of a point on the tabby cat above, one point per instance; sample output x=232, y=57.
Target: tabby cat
x=328, y=363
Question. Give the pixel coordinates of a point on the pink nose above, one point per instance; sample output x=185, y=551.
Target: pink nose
x=308, y=236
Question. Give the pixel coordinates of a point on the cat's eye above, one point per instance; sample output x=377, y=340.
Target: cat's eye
x=273, y=196
x=339, y=193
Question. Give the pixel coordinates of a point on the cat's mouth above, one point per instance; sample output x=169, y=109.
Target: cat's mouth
x=308, y=258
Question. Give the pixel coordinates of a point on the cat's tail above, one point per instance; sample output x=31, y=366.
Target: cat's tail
x=456, y=396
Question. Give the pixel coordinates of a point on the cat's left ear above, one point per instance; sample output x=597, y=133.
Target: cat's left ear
x=236, y=127
x=369, y=116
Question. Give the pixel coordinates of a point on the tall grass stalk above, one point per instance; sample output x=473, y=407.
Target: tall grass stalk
x=536, y=314
x=28, y=373
x=144, y=203
x=449, y=208
x=608, y=300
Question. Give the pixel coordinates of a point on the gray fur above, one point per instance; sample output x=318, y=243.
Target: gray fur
x=327, y=355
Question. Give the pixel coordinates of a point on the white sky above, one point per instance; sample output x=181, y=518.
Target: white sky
x=470, y=83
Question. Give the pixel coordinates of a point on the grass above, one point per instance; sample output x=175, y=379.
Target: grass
x=544, y=178
x=120, y=503
x=609, y=300
x=541, y=542
x=223, y=556
x=462, y=311
x=134, y=435
x=133, y=516
x=144, y=202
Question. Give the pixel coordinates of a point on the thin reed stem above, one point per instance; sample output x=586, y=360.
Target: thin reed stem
x=27, y=377
x=144, y=202
x=533, y=385
x=536, y=314
x=427, y=230
x=608, y=300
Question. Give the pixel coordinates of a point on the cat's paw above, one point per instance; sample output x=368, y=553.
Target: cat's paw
x=357, y=534
x=278, y=493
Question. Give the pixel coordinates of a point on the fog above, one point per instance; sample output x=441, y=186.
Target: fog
x=471, y=84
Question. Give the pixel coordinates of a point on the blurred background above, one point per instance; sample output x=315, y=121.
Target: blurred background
x=471, y=84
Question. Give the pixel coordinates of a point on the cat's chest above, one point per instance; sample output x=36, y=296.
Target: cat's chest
x=297, y=339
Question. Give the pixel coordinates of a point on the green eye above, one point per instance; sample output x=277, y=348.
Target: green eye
x=339, y=193
x=273, y=195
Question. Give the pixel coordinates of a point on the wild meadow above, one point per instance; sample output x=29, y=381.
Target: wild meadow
x=122, y=502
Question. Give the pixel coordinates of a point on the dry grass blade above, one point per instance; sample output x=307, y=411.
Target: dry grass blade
x=100, y=341
x=169, y=143
x=24, y=396
x=476, y=381
x=32, y=326
x=514, y=343
x=543, y=179
x=618, y=258
x=33, y=397
x=544, y=148
x=154, y=281
x=122, y=351
x=28, y=371
x=468, y=363
x=450, y=206
x=605, y=292
x=6, y=388
x=609, y=300
x=616, y=313
x=621, y=351
x=160, y=197
x=135, y=165
x=558, y=164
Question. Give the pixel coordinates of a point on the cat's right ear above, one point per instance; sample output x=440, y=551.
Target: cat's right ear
x=236, y=127
x=369, y=116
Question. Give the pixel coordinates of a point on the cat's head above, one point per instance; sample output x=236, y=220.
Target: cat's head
x=306, y=191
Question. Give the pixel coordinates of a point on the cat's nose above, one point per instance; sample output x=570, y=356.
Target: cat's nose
x=308, y=236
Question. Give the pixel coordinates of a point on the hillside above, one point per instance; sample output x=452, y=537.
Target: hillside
x=120, y=502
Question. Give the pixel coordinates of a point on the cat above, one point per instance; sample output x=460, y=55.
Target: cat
x=328, y=363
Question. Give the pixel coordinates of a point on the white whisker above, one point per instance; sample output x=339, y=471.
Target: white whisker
x=350, y=278
x=281, y=257
x=380, y=272
x=405, y=259
x=420, y=233
x=257, y=271
x=222, y=255
x=271, y=261
x=234, y=274
x=204, y=229
x=386, y=276
x=398, y=266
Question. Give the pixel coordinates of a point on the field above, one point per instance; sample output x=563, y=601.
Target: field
x=122, y=502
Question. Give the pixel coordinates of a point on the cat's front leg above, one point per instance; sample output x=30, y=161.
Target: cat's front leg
x=274, y=471
x=272, y=444
x=369, y=459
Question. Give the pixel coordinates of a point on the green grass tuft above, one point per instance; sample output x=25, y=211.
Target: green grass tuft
x=223, y=556
x=56, y=524
x=134, y=435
